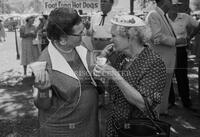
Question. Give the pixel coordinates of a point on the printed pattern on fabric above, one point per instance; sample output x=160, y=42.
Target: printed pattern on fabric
x=147, y=73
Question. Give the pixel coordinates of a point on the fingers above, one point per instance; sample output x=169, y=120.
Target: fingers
x=42, y=79
x=102, y=70
x=97, y=71
x=107, y=49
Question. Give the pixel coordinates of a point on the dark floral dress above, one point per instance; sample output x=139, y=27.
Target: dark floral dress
x=146, y=73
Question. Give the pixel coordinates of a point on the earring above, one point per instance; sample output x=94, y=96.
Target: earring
x=63, y=42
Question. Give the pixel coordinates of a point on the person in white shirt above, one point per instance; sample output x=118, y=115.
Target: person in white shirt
x=101, y=25
x=180, y=22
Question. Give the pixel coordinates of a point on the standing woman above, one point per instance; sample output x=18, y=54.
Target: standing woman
x=137, y=75
x=29, y=52
x=72, y=109
x=2, y=32
x=41, y=32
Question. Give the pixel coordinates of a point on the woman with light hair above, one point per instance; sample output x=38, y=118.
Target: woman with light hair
x=137, y=76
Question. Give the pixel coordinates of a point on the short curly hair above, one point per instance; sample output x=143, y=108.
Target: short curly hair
x=61, y=21
x=142, y=33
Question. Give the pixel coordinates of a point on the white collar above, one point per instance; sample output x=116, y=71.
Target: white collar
x=160, y=10
x=60, y=64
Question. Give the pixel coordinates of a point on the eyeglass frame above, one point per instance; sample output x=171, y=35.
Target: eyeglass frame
x=80, y=34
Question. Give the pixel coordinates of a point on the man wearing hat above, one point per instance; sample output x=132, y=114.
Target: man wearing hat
x=180, y=22
x=164, y=42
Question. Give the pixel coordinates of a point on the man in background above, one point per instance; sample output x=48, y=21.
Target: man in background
x=180, y=22
x=100, y=25
x=164, y=42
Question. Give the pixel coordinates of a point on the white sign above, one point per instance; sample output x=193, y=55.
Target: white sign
x=85, y=5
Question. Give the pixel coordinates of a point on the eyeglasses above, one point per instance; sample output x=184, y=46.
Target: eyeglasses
x=82, y=33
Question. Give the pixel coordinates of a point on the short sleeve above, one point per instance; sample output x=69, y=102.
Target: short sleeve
x=152, y=83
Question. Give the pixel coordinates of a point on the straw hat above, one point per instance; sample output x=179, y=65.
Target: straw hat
x=128, y=20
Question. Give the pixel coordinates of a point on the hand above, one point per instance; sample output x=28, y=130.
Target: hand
x=42, y=79
x=106, y=71
x=107, y=50
x=181, y=41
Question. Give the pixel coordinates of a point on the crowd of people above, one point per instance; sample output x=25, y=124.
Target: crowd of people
x=33, y=40
x=141, y=58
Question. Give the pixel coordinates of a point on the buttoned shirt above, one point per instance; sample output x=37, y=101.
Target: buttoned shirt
x=181, y=23
x=101, y=31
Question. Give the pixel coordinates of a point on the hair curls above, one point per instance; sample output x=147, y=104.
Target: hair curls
x=141, y=33
x=61, y=22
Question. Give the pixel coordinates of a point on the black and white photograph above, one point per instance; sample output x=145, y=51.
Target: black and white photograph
x=99, y=68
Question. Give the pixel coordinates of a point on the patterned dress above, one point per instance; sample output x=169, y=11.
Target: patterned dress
x=29, y=53
x=147, y=74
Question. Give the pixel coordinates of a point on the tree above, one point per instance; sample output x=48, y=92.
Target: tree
x=36, y=5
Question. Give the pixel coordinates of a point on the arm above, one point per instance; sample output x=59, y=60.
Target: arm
x=151, y=84
x=26, y=35
x=158, y=36
x=193, y=23
x=130, y=93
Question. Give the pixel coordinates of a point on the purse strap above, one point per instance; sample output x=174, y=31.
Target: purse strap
x=151, y=115
x=149, y=111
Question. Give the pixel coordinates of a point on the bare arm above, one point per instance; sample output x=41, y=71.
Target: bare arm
x=150, y=85
x=130, y=93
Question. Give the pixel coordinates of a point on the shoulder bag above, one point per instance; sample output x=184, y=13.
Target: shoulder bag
x=143, y=127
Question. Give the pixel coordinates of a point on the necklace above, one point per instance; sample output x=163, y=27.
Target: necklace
x=69, y=55
x=64, y=51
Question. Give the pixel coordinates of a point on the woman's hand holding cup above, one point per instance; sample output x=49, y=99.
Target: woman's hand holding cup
x=104, y=70
x=100, y=61
x=42, y=79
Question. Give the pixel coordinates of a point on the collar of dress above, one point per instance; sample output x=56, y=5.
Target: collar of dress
x=160, y=10
x=60, y=64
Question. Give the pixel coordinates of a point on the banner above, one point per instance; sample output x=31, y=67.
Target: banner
x=85, y=5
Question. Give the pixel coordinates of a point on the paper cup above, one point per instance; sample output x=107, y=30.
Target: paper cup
x=101, y=60
x=38, y=66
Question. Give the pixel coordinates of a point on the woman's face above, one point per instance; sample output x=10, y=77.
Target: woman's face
x=121, y=43
x=76, y=37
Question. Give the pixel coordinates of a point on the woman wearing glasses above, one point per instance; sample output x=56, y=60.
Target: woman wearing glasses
x=67, y=97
